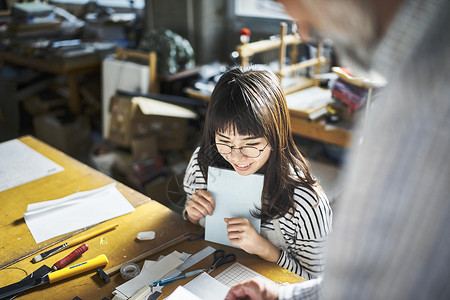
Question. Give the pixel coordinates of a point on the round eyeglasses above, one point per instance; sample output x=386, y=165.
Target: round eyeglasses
x=248, y=151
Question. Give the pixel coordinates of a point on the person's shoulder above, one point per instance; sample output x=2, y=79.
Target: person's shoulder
x=196, y=151
x=310, y=197
x=193, y=162
x=194, y=156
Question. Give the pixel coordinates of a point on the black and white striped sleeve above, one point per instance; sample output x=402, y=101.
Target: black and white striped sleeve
x=193, y=177
x=305, y=234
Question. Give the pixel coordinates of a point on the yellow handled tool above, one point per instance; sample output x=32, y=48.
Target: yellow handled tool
x=53, y=277
x=94, y=263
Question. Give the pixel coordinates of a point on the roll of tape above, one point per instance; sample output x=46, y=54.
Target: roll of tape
x=130, y=270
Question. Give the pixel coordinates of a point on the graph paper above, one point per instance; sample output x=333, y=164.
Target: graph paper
x=236, y=273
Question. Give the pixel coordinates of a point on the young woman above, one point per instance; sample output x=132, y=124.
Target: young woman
x=247, y=128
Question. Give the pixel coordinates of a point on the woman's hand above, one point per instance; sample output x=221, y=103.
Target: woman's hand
x=200, y=204
x=242, y=234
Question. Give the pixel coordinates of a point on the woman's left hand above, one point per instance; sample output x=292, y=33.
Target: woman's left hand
x=242, y=234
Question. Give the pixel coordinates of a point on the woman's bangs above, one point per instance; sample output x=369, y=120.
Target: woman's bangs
x=240, y=124
x=238, y=119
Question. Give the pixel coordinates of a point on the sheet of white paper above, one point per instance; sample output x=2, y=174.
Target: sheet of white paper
x=40, y=207
x=181, y=293
x=76, y=211
x=235, y=196
x=206, y=287
x=20, y=164
x=150, y=274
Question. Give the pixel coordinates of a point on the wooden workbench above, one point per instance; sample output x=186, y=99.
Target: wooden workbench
x=119, y=245
x=72, y=71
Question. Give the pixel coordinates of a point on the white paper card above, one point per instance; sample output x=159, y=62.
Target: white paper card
x=181, y=293
x=20, y=164
x=235, y=196
x=206, y=287
x=49, y=219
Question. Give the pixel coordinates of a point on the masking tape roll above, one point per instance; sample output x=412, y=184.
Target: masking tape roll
x=130, y=270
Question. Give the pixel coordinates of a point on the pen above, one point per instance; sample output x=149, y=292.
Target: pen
x=71, y=243
x=172, y=279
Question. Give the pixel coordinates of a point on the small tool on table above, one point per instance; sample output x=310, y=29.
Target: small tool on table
x=70, y=258
x=169, y=280
x=73, y=242
x=220, y=258
x=45, y=270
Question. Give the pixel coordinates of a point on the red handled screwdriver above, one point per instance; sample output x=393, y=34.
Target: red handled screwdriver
x=70, y=258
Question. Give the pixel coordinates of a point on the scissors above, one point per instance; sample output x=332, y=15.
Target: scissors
x=220, y=259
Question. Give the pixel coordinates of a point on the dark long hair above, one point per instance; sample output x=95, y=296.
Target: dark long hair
x=251, y=101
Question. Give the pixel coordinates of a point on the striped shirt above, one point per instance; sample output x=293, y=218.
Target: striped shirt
x=304, y=232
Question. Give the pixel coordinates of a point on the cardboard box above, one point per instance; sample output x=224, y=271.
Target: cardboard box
x=72, y=136
x=144, y=148
x=140, y=117
x=119, y=130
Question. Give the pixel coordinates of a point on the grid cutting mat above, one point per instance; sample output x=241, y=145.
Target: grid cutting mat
x=236, y=273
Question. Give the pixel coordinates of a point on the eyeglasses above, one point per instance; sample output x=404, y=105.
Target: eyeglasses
x=248, y=151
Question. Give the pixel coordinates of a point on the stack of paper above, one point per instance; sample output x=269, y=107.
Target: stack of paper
x=169, y=266
x=151, y=271
x=307, y=103
x=218, y=287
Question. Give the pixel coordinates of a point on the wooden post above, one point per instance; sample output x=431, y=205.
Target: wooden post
x=282, y=52
x=319, y=64
x=153, y=85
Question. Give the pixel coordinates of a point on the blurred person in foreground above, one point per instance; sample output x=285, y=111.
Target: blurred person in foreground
x=391, y=238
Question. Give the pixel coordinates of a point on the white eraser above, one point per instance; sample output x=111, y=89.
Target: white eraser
x=146, y=235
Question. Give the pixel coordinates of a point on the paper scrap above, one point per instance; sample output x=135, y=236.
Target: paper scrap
x=49, y=219
x=235, y=196
x=207, y=251
x=20, y=164
x=192, y=260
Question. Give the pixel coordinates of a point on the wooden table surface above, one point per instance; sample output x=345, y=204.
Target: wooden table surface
x=119, y=245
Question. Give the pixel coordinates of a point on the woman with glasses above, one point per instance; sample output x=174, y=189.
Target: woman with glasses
x=247, y=129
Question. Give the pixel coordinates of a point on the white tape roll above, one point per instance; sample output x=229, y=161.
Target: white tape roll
x=130, y=270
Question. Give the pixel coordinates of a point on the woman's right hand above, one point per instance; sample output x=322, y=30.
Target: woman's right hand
x=200, y=204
